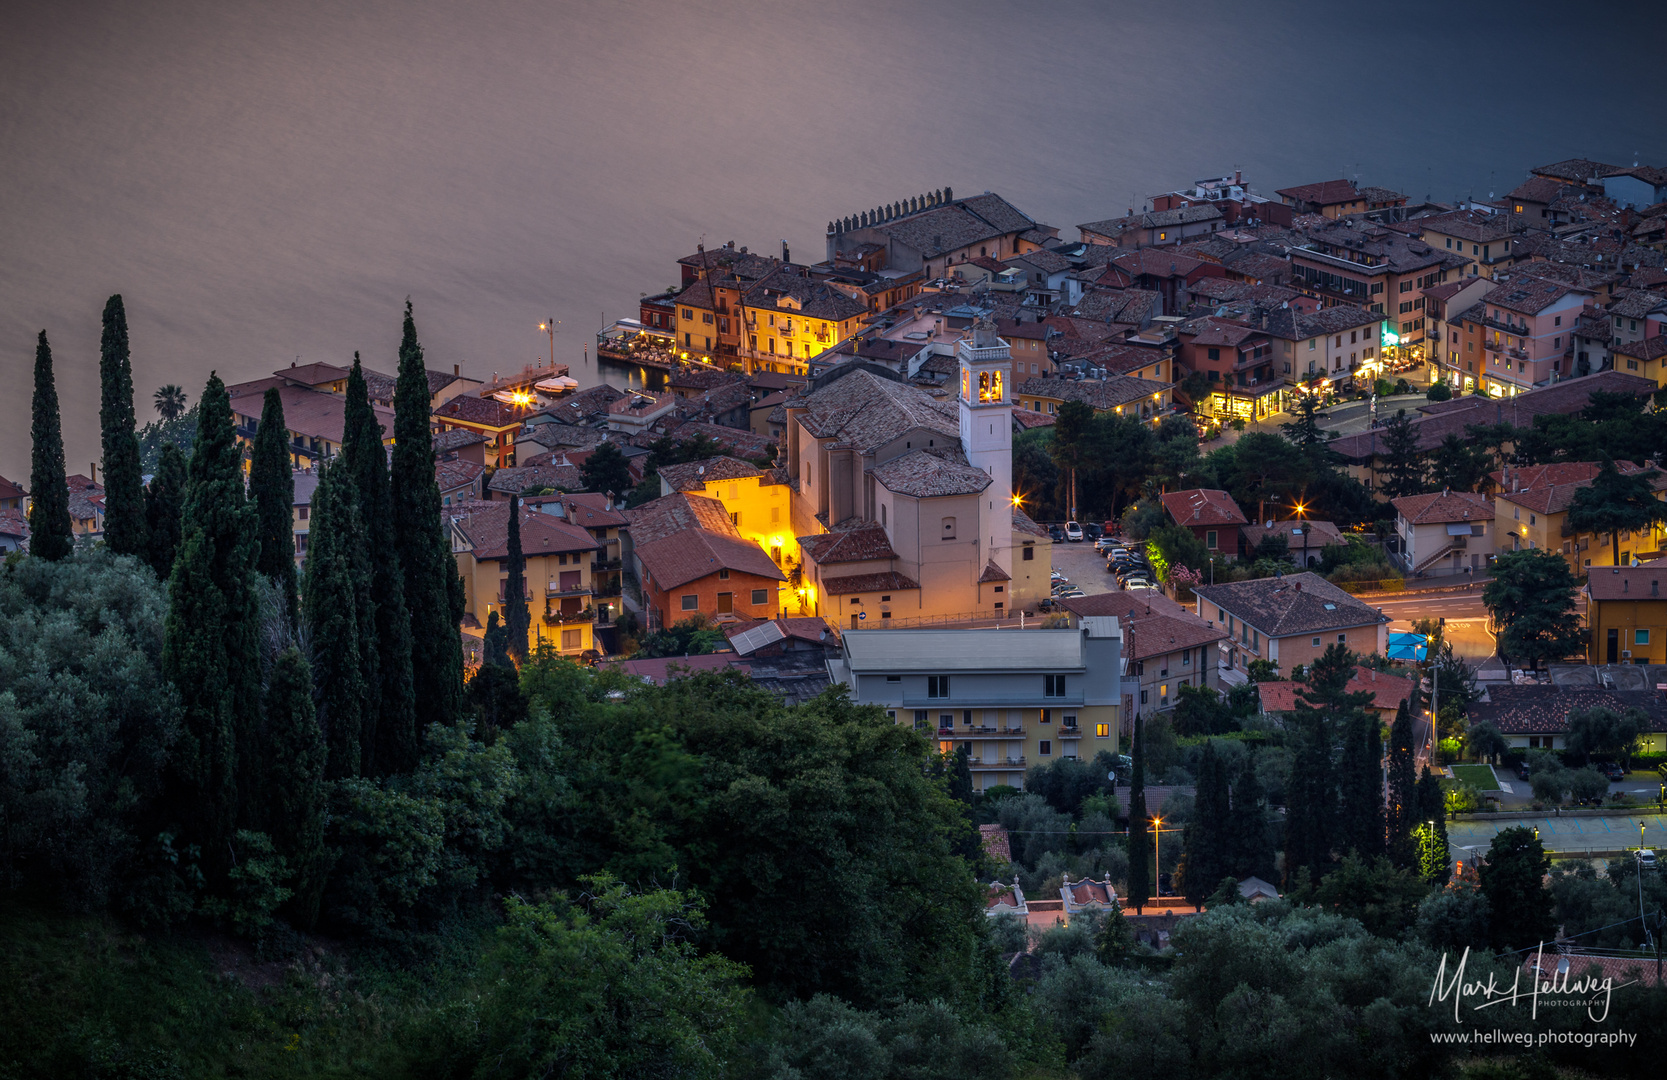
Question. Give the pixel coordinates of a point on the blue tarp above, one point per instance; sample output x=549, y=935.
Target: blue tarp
x=1404, y=646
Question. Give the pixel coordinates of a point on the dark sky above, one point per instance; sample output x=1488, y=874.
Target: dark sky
x=264, y=181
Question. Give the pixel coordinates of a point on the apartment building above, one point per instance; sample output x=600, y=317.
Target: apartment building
x=558, y=578
x=1483, y=239
x=1528, y=327
x=1627, y=612
x=1339, y=198
x=1289, y=621
x=1443, y=532
x=1531, y=506
x=1165, y=647
x=1015, y=698
x=1455, y=342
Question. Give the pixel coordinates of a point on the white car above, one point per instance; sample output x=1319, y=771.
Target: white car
x=1073, y=532
x=1647, y=860
x=1139, y=583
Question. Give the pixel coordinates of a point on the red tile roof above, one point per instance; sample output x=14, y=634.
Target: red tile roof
x=1440, y=506
x=863, y=583
x=662, y=670
x=486, y=524
x=487, y=412
x=992, y=572
x=670, y=514
x=1388, y=691
x=850, y=545
x=1324, y=193
x=1203, y=506
x=1626, y=583
x=695, y=475
x=693, y=554
x=1549, y=489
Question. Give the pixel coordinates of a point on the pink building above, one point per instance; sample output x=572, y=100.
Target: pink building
x=1528, y=327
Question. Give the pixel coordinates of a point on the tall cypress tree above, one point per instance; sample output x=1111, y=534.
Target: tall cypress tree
x=1310, y=801
x=50, y=535
x=164, y=500
x=124, y=496
x=1140, y=874
x=295, y=790
x=1432, y=808
x=210, y=647
x=1361, y=784
x=272, y=487
x=1252, y=846
x=1402, y=810
x=330, y=603
x=516, y=618
x=397, y=744
x=433, y=589
x=1206, y=858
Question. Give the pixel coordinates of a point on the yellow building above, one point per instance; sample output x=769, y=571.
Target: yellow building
x=1531, y=511
x=758, y=505
x=1646, y=358
x=559, y=579
x=1627, y=612
x=788, y=320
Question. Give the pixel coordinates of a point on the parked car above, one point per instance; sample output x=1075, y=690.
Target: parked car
x=1613, y=770
x=1058, y=575
x=1522, y=771
x=1061, y=586
x=1104, y=545
x=1056, y=534
x=1647, y=860
x=1139, y=583
x=1073, y=532
x=1092, y=531
x=1070, y=594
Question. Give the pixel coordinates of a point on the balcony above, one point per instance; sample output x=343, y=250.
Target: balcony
x=564, y=618
x=981, y=732
x=600, y=565
x=1010, y=763
x=992, y=701
x=556, y=592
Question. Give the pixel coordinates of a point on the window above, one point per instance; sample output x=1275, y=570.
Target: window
x=1342, y=639
x=894, y=678
x=1215, y=354
x=948, y=531
x=937, y=686
x=1069, y=723
x=760, y=596
x=1557, y=321
x=1030, y=553
x=723, y=574
x=1143, y=697
x=1045, y=748
x=1210, y=539
x=572, y=639
x=946, y=720
x=1640, y=637
x=690, y=602
x=1102, y=731
x=1046, y=716
x=1053, y=686
x=1316, y=643
x=920, y=718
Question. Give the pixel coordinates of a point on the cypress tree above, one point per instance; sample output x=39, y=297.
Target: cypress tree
x=397, y=745
x=1402, y=810
x=330, y=603
x=495, y=647
x=1140, y=879
x=1361, y=786
x=164, y=499
x=272, y=487
x=1432, y=808
x=516, y=618
x=1310, y=802
x=50, y=535
x=433, y=589
x=1205, y=859
x=210, y=647
x=1252, y=847
x=124, y=496
x=295, y=790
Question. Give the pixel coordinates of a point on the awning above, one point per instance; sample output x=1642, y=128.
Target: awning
x=1405, y=646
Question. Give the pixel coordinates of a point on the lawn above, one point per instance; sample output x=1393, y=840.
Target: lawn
x=1479, y=777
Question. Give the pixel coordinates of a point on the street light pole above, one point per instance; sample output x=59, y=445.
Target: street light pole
x=549, y=325
x=1157, y=864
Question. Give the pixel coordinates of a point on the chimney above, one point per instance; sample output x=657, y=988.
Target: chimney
x=94, y=471
x=456, y=370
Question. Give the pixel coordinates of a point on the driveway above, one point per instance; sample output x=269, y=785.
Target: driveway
x=1085, y=567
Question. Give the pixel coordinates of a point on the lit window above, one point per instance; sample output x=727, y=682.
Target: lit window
x=1102, y=731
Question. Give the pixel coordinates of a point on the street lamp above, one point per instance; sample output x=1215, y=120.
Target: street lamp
x=549, y=326
x=1157, y=863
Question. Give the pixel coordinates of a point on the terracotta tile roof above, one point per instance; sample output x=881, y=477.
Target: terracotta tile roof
x=1203, y=506
x=642, y=404
x=1022, y=523
x=1388, y=691
x=1158, y=262
x=1099, y=394
x=671, y=514
x=1544, y=710
x=999, y=895
x=1257, y=264
x=452, y=475
x=437, y=380
x=456, y=439
x=1626, y=583
x=868, y=411
x=1153, y=625
x=851, y=545
x=1622, y=970
x=695, y=475
x=1648, y=349
x=1439, y=506
x=515, y=480
x=1314, y=535
x=704, y=378
x=1088, y=893
x=662, y=670
x=1637, y=304
x=1577, y=170
x=313, y=374
x=924, y=475
x=314, y=413
x=10, y=489
x=1030, y=419
x=590, y=509
x=886, y=581
x=1302, y=603
x=1537, y=189
x=695, y=553
x=956, y=225
x=1324, y=193
x=992, y=572
x=13, y=523
x=813, y=299
x=738, y=441
x=487, y=412
x=1549, y=489
x=1472, y=225
x=584, y=406
x=486, y=525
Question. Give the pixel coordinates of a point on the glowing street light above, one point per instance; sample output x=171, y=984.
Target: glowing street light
x=1157, y=863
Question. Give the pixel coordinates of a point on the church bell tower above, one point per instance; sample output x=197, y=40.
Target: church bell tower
x=987, y=432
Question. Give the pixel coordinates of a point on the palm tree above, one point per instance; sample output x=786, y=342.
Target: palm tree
x=170, y=402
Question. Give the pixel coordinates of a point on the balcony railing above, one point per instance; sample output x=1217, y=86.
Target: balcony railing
x=601, y=565
x=562, y=618
x=990, y=701
x=556, y=591
x=1010, y=763
x=980, y=732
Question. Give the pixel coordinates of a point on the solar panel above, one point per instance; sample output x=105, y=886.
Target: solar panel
x=759, y=636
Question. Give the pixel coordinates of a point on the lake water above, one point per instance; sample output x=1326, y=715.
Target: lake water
x=269, y=181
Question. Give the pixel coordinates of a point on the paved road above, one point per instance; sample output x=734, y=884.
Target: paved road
x=1572, y=836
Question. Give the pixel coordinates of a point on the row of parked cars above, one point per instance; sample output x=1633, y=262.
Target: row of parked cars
x=1073, y=532
x=1127, y=565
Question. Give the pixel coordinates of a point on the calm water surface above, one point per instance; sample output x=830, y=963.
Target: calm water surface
x=269, y=181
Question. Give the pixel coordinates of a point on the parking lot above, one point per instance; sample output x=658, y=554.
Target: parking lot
x=1085, y=567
